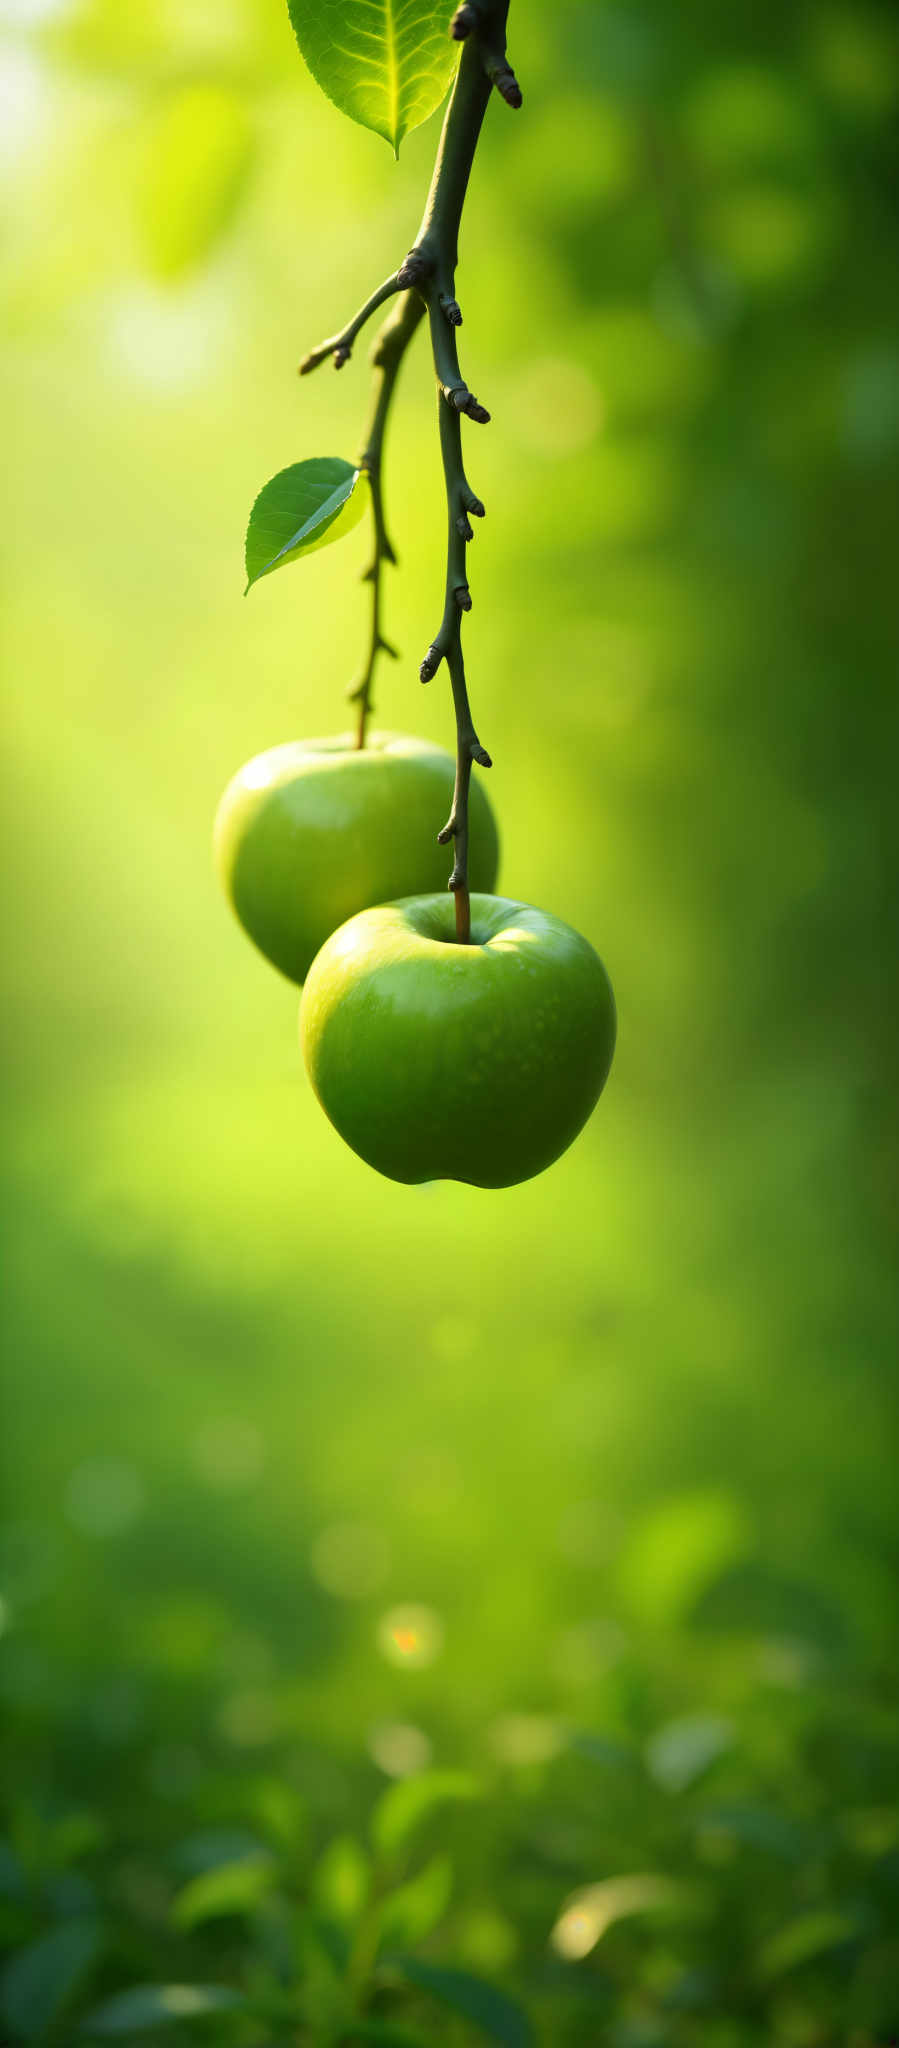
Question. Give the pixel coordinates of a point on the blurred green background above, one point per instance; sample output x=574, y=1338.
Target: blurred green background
x=623, y=1439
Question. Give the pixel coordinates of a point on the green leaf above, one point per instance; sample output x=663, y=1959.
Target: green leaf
x=342, y=1880
x=301, y=508
x=412, y=1911
x=386, y=63
x=276, y=1807
x=196, y=157
x=496, y=2015
x=405, y=1804
x=682, y=1751
x=810, y=1935
x=226, y=1889
x=680, y=1549
x=38, y=1982
x=147, y=2006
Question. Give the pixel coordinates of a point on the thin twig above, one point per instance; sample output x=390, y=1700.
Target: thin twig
x=387, y=354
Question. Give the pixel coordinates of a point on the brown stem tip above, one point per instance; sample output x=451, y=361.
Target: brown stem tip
x=431, y=663
x=508, y=88
x=465, y=401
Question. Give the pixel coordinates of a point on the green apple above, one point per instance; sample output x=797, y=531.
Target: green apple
x=440, y=1061
x=312, y=831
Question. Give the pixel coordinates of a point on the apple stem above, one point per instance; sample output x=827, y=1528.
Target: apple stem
x=387, y=353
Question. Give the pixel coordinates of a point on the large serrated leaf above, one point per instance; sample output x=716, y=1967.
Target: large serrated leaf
x=300, y=509
x=386, y=63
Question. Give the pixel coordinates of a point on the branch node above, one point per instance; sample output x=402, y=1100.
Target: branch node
x=452, y=311
x=428, y=668
x=480, y=755
x=465, y=401
x=463, y=597
x=448, y=832
x=342, y=355
x=463, y=22
x=473, y=504
x=413, y=270
x=464, y=526
x=456, y=880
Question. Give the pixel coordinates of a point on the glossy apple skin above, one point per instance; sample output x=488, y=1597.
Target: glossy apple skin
x=310, y=832
x=437, y=1061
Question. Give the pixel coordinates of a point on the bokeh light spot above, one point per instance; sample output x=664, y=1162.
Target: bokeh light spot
x=525, y=1738
x=399, y=1749
x=588, y=1913
x=410, y=1636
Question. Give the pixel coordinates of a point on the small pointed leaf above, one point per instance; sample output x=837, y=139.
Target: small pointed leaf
x=810, y=1935
x=416, y=1908
x=226, y=1889
x=408, y=1802
x=299, y=509
x=386, y=63
x=341, y=1880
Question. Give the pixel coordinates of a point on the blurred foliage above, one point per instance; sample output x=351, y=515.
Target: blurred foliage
x=580, y=1497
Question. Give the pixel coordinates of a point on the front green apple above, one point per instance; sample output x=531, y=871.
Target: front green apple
x=310, y=832
x=437, y=1061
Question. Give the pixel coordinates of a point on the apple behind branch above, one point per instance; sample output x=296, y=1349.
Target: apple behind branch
x=314, y=830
